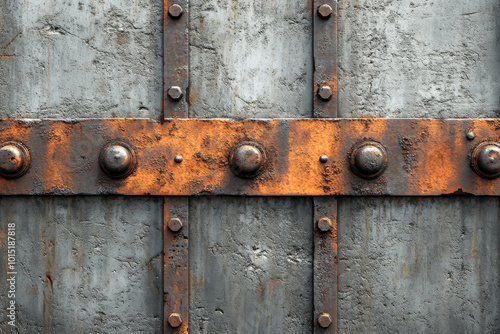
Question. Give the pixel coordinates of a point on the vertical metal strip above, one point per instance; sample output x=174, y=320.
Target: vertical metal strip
x=176, y=264
x=325, y=262
x=325, y=58
x=175, y=58
x=175, y=215
x=325, y=265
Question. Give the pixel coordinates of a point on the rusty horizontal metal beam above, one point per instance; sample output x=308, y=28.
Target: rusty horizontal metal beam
x=293, y=157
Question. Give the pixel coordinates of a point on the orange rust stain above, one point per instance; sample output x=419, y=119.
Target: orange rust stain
x=473, y=254
x=149, y=266
x=405, y=270
x=192, y=97
x=122, y=37
x=272, y=283
x=57, y=151
x=149, y=263
x=49, y=279
x=165, y=10
x=334, y=239
x=416, y=254
x=310, y=6
x=48, y=297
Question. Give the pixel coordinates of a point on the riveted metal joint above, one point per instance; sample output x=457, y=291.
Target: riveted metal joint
x=325, y=11
x=324, y=320
x=117, y=160
x=14, y=159
x=247, y=160
x=175, y=11
x=175, y=224
x=175, y=93
x=325, y=92
x=175, y=320
x=368, y=160
x=325, y=224
x=486, y=159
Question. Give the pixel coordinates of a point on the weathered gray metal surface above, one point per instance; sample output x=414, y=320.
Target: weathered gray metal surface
x=421, y=265
x=250, y=265
x=81, y=58
x=419, y=58
x=85, y=264
x=250, y=59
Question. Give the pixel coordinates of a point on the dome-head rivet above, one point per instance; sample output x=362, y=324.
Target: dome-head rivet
x=14, y=159
x=247, y=160
x=369, y=160
x=117, y=160
x=486, y=159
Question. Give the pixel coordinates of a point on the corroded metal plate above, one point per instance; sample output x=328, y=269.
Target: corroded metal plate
x=424, y=157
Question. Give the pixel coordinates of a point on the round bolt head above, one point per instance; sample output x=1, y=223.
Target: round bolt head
x=247, y=160
x=175, y=320
x=324, y=320
x=14, y=159
x=178, y=159
x=369, y=160
x=325, y=224
x=117, y=160
x=325, y=93
x=175, y=224
x=486, y=159
x=471, y=135
x=323, y=159
x=325, y=11
x=175, y=93
x=175, y=11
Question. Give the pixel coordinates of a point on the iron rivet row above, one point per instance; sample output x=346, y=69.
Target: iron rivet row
x=247, y=160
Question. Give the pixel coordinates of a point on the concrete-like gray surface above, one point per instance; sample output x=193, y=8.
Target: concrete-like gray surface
x=419, y=265
x=73, y=59
x=86, y=58
x=250, y=59
x=250, y=265
x=426, y=58
x=85, y=264
x=407, y=264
